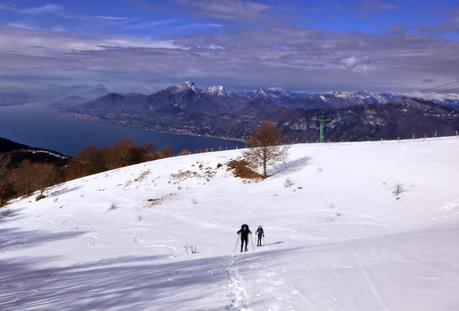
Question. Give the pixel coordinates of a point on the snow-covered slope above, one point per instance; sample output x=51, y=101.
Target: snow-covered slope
x=338, y=234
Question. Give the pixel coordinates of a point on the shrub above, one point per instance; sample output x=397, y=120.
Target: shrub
x=184, y=152
x=241, y=169
x=165, y=152
x=398, y=189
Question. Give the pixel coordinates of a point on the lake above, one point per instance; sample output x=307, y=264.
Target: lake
x=41, y=126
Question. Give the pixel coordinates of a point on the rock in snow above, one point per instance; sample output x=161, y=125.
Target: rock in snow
x=349, y=226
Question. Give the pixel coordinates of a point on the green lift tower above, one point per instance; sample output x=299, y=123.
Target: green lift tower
x=322, y=121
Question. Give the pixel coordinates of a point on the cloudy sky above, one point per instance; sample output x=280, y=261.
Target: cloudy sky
x=144, y=45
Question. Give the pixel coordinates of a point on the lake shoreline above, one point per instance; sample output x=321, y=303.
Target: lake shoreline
x=42, y=126
x=83, y=116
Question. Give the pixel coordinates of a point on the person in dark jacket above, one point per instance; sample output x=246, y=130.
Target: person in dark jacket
x=260, y=233
x=244, y=232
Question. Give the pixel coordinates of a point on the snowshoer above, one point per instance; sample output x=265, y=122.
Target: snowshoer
x=261, y=234
x=244, y=232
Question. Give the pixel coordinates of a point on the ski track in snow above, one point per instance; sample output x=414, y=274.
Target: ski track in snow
x=160, y=235
x=238, y=294
x=370, y=282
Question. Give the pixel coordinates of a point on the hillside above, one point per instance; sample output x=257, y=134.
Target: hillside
x=349, y=226
x=12, y=153
x=7, y=145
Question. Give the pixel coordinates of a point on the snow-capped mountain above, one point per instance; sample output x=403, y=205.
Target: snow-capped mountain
x=348, y=226
x=341, y=98
x=438, y=97
x=187, y=109
x=448, y=99
x=270, y=93
x=186, y=85
x=217, y=90
x=362, y=97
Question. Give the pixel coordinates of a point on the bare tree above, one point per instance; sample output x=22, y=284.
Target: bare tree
x=47, y=175
x=23, y=178
x=6, y=187
x=29, y=177
x=265, y=147
x=165, y=152
x=184, y=152
x=91, y=160
x=142, y=153
x=118, y=155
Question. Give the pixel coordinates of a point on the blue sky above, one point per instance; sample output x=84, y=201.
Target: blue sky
x=143, y=45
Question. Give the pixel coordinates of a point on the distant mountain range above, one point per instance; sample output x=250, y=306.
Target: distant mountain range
x=186, y=109
x=12, y=153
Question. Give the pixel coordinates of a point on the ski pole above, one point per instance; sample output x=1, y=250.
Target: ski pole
x=235, y=246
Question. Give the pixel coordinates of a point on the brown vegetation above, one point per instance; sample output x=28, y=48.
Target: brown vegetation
x=92, y=160
x=241, y=169
x=6, y=187
x=165, y=152
x=265, y=147
x=184, y=152
x=28, y=177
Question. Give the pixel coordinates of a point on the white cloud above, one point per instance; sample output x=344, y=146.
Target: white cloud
x=47, y=8
x=138, y=43
x=113, y=18
x=245, y=57
x=23, y=40
x=228, y=9
x=356, y=64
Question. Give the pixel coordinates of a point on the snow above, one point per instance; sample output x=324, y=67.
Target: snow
x=279, y=90
x=363, y=97
x=35, y=151
x=270, y=93
x=217, y=90
x=338, y=237
x=439, y=97
x=186, y=85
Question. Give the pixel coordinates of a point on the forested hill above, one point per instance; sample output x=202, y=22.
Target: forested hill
x=13, y=153
x=7, y=145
